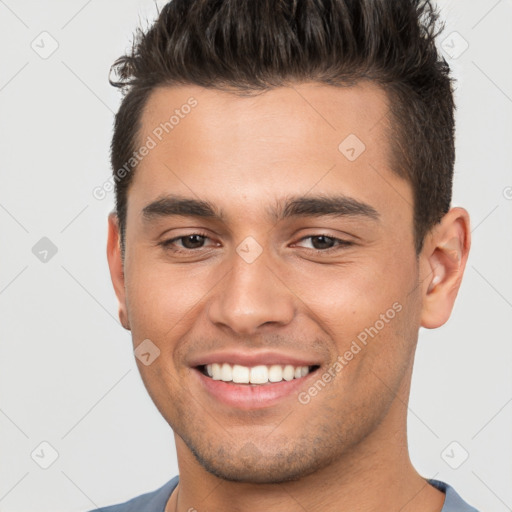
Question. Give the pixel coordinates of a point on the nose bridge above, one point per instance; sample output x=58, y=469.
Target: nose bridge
x=251, y=295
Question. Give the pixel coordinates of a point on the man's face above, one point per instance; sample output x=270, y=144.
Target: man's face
x=270, y=285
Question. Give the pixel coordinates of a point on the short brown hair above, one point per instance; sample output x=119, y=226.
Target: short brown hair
x=254, y=45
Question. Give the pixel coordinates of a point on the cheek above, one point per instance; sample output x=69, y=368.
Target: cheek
x=368, y=311
x=354, y=294
x=161, y=298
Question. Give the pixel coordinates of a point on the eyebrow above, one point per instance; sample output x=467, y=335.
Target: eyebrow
x=296, y=206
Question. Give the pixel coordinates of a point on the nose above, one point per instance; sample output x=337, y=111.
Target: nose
x=251, y=295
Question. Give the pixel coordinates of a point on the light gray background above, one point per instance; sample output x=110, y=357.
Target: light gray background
x=67, y=372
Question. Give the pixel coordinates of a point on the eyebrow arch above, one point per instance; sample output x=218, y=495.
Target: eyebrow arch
x=295, y=206
x=177, y=205
x=323, y=205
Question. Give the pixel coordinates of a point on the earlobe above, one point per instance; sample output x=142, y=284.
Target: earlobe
x=115, y=264
x=444, y=259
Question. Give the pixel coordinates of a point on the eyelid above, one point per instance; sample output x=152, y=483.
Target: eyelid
x=340, y=242
x=168, y=242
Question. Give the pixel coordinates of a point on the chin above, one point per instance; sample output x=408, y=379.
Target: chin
x=249, y=465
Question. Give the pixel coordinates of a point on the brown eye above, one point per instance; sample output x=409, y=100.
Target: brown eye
x=192, y=241
x=322, y=242
x=325, y=243
x=185, y=243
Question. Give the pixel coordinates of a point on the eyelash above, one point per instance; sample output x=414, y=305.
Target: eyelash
x=167, y=244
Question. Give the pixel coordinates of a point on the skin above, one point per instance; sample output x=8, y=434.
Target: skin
x=347, y=448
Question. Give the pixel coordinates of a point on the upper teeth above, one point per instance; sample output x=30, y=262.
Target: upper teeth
x=257, y=374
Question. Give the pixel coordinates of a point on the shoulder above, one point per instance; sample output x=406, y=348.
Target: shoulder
x=453, y=502
x=154, y=501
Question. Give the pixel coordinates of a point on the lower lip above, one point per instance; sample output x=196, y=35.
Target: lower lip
x=247, y=396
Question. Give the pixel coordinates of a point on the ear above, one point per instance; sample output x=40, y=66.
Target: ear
x=442, y=262
x=115, y=264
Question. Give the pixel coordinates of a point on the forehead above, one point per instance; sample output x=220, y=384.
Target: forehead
x=289, y=140
x=320, y=114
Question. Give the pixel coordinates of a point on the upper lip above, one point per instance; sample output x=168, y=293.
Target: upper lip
x=253, y=358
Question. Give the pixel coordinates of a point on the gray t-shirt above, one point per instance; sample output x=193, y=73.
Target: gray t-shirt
x=155, y=501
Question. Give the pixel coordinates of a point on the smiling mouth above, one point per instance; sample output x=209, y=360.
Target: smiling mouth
x=255, y=375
